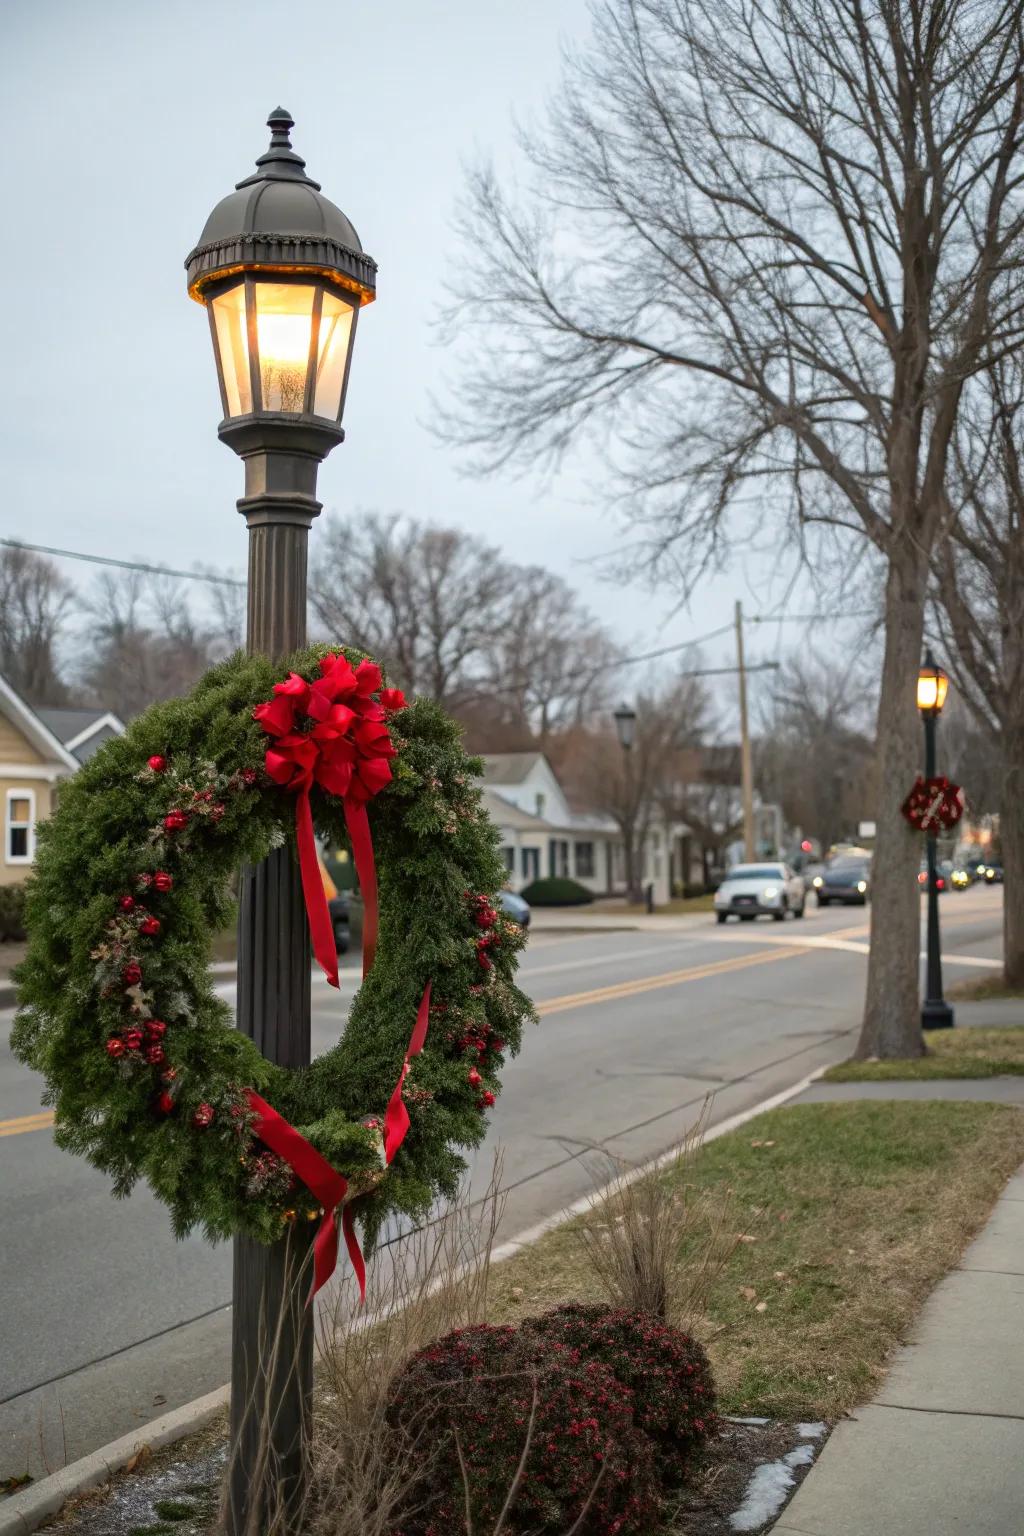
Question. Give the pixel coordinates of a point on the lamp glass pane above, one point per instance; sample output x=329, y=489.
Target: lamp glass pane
x=332, y=355
x=284, y=320
x=941, y=689
x=927, y=690
x=233, y=340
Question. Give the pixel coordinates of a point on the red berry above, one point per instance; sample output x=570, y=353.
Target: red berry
x=484, y=960
x=133, y=1038
x=499, y=1044
x=203, y=1115
x=174, y=821
x=132, y=974
x=163, y=881
x=485, y=1100
x=154, y=1054
x=150, y=926
x=115, y=1046
x=164, y=1102
x=155, y=1029
x=217, y=812
x=127, y=903
x=157, y=763
x=473, y=1077
x=249, y=776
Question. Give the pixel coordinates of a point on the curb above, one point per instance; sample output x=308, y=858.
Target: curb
x=24, y=1512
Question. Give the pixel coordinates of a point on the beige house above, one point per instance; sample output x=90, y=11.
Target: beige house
x=33, y=761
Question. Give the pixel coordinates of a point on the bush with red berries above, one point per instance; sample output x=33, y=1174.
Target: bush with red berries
x=466, y=1401
x=665, y=1369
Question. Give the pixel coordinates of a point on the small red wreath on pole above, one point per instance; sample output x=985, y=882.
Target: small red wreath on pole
x=934, y=804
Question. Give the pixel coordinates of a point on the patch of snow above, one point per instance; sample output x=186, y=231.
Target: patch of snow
x=810, y=1431
x=732, y=1419
x=768, y=1488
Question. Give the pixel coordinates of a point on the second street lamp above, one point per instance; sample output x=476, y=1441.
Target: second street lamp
x=932, y=684
x=282, y=274
x=625, y=726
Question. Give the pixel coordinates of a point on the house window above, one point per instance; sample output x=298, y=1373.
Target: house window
x=539, y=801
x=531, y=864
x=20, y=825
x=509, y=857
x=584, y=861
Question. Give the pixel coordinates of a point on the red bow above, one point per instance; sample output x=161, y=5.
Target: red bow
x=333, y=733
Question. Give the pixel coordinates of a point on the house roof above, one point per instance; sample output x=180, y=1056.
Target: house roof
x=33, y=728
x=83, y=731
x=505, y=814
x=509, y=767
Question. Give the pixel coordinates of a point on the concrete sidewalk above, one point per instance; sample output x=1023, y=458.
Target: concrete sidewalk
x=940, y=1450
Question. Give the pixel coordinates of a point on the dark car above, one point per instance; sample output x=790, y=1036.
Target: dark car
x=992, y=874
x=338, y=908
x=847, y=881
x=515, y=907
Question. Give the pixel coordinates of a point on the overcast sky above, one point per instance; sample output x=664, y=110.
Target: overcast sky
x=126, y=121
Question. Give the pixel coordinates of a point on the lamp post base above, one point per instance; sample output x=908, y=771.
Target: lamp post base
x=936, y=1014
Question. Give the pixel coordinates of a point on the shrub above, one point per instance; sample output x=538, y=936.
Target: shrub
x=12, y=912
x=478, y=1390
x=557, y=891
x=666, y=1371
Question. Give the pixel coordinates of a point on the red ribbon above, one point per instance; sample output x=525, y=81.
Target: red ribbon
x=324, y=1183
x=396, y=1116
x=333, y=732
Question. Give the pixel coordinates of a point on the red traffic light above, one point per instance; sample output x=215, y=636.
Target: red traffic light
x=806, y=846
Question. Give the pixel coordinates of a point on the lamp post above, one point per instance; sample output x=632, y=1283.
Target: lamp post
x=282, y=275
x=625, y=725
x=932, y=684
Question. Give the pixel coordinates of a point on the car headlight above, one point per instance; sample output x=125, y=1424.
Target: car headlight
x=862, y=886
x=981, y=869
x=817, y=882
x=770, y=892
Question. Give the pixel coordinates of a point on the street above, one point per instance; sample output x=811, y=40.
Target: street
x=108, y=1322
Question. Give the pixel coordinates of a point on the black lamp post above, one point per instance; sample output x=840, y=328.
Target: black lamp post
x=282, y=274
x=932, y=684
x=625, y=725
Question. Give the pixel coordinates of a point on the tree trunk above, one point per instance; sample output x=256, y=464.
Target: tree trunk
x=1011, y=836
x=892, y=1016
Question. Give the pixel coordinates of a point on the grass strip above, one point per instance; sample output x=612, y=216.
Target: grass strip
x=951, y=1053
x=849, y=1215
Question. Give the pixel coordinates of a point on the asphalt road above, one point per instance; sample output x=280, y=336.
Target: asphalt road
x=107, y=1322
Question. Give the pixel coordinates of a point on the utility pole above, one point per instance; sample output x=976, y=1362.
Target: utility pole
x=746, y=764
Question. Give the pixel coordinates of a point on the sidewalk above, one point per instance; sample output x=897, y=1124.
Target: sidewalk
x=940, y=1450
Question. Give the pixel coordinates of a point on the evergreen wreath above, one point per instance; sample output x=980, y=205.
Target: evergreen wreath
x=117, y=1009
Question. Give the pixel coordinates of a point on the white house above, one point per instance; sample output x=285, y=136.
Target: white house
x=541, y=833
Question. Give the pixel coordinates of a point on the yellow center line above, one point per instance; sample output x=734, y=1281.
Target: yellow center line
x=43, y=1118
x=37, y=1122
x=667, y=979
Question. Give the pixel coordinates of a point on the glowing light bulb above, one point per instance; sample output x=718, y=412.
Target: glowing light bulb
x=284, y=356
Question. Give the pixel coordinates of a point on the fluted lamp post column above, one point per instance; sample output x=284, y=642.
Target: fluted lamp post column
x=283, y=276
x=932, y=684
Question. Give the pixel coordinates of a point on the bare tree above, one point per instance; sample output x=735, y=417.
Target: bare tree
x=508, y=647
x=425, y=600
x=143, y=641
x=816, y=754
x=768, y=242
x=549, y=663
x=35, y=601
x=638, y=787
x=979, y=577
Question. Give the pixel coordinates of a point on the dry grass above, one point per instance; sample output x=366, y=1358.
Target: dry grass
x=979, y=988
x=654, y=1241
x=950, y=1053
x=435, y=1281
x=847, y=1215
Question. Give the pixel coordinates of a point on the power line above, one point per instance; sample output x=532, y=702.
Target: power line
x=124, y=565
x=626, y=661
